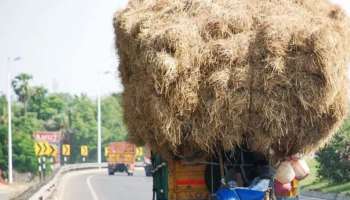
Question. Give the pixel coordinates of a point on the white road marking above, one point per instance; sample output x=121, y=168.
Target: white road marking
x=93, y=193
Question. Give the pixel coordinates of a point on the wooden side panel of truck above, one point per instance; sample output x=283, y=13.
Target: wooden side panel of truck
x=186, y=182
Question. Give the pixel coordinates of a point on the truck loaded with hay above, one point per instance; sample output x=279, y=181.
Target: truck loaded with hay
x=225, y=90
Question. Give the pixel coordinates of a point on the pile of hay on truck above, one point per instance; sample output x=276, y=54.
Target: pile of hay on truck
x=203, y=76
x=222, y=73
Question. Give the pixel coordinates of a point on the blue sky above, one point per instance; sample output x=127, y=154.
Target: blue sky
x=65, y=44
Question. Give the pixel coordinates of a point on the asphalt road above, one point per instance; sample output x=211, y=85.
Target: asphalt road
x=3, y=195
x=309, y=198
x=97, y=185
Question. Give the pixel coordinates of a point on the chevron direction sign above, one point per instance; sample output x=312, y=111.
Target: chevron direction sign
x=44, y=149
x=66, y=150
x=84, y=151
x=106, y=152
x=37, y=149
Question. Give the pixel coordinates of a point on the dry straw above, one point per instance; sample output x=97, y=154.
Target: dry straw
x=208, y=74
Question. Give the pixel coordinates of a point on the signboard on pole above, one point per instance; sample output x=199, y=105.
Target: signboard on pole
x=50, y=137
x=66, y=150
x=106, y=152
x=45, y=149
x=48, y=144
x=84, y=151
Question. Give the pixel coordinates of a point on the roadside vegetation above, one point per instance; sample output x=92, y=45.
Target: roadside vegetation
x=36, y=109
x=330, y=168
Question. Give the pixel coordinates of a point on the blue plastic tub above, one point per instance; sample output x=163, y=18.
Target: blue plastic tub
x=239, y=194
x=248, y=194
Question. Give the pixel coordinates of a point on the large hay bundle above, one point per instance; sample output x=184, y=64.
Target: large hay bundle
x=203, y=74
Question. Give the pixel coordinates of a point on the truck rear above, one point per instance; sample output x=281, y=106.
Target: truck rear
x=247, y=177
x=121, y=158
x=175, y=180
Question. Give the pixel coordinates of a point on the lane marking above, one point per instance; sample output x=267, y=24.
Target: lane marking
x=88, y=182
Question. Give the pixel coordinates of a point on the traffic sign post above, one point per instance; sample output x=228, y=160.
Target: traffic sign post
x=66, y=151
x=44, y=150
x=44, y=166
x=84, y=152
x=106, y=152
x=40, y=169
x=52, y=163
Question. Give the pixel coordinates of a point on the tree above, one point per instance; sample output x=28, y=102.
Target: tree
x=82, y=126
x=37, y=100
x=21, y=87
x=334, y=158
x=3, y=131
x=114, y=128
x=76, y=116
x=24, y=158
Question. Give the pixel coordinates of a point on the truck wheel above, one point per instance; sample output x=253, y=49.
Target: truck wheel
x=110, y=173
x=130, y=174
x=148, y=174
x=148, y=170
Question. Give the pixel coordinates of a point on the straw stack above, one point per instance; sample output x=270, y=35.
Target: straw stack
x=207, y=74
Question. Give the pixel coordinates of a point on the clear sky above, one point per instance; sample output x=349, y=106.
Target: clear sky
x=64, y=44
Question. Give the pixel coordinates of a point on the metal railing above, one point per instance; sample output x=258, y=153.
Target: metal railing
x=44, y=189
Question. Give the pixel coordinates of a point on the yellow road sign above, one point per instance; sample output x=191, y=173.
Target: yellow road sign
x=66, y=150
x=44, y=149
x=139, y=151
x=106, y=151
x=37, y=148
x=47, y=149
x=84, y=150
x=54, y=151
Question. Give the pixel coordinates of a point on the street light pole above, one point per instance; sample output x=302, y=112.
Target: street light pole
x=9, y=114
x=99, y=131
x=99, y=140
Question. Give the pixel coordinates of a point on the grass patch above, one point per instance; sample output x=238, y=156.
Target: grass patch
x=314, y=183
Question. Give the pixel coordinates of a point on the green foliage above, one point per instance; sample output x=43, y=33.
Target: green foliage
x=37, y=100
x=112, y=119
x=23, y=127
x=3, y=133
x=82, y=126
x=3, y=147
x=24, y=159
x=334, y=158
x=75, y=116
x=22, y=88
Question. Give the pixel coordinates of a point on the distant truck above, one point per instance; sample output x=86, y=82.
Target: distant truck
x=121, y=158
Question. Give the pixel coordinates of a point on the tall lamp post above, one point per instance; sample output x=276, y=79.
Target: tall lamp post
x=99, y=138
x=99, y=131
x=9, y=114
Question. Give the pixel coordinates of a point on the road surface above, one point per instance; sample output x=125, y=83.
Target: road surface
x=97, y=185
x=3, y=195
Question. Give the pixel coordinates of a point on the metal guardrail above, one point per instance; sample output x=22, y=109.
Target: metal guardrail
x=45, y=189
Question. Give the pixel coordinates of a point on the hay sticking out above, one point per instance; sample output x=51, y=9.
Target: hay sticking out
x=208, y=74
